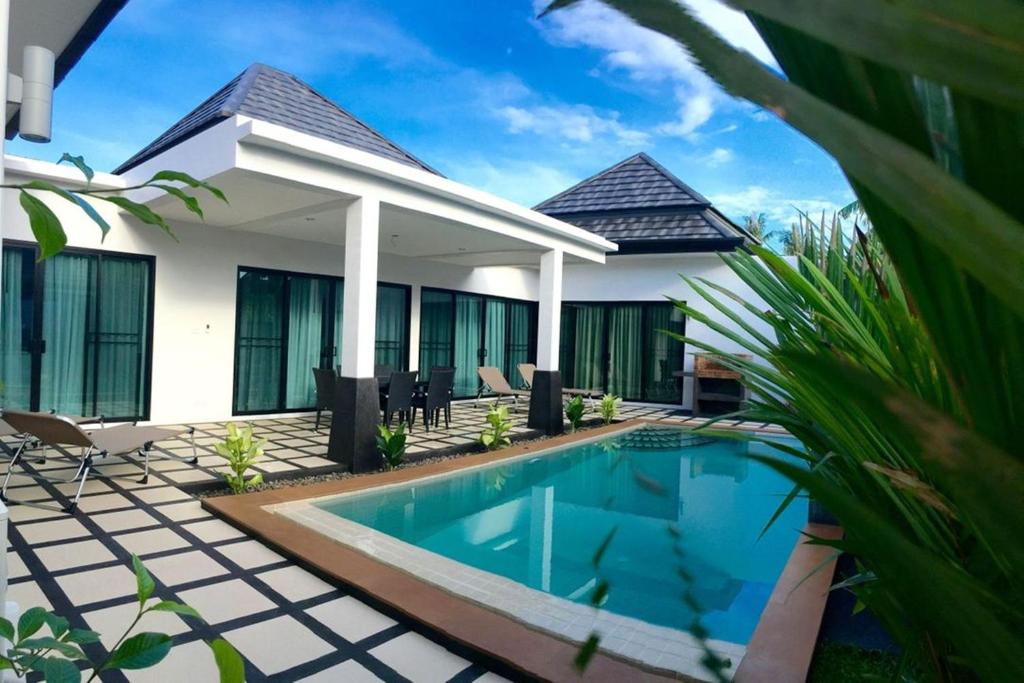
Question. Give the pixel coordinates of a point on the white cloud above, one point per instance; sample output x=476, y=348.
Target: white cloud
x=647, y=57
x=578, y=123
x=778, y=207
x=718, y=157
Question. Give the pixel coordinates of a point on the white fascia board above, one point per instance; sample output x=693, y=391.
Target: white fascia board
x=575, y=240
x=63, y=175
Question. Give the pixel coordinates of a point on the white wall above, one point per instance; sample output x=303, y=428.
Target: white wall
x=194, y=307
x=651, y=278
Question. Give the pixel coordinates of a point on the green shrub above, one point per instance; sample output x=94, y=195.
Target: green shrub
x=574, y=410
x=391, y=445
x=58, y=655
x=495, y=435
x=610, y=407
x=241, y=451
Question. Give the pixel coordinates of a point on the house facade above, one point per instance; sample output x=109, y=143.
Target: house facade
x=339, y=248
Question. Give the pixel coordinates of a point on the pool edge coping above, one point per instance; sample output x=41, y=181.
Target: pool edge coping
x=501, y=637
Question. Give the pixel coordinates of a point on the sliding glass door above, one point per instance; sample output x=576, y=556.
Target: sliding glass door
x=619, y=348
x=466, y=331
x=75, y=335
x=289, y=323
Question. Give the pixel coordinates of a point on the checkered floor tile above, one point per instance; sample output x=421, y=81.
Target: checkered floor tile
x=288, y=624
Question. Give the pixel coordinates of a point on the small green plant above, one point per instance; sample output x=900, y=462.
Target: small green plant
x=57, y=655
x=574, y=410
x=391, y=445
x=495, y=435
x=610, y=407
x=241, y=451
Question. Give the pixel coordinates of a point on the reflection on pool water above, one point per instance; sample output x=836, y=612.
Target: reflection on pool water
x=539, y=521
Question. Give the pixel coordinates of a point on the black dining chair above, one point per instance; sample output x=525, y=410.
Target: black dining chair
x=325, y=381
x=397, y=398
x=382, y=371
x=436, y=398
x=451, y=390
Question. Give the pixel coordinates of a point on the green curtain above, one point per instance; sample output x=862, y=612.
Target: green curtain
x=392, y=326
x=467, y=344
x=663, y=355
x=519, y=334
x=307, y=304
x=339, y=310
x=260, y=340
x=588, y=364
x=15, y=327
x=68, y=285
x=436, y=311
x=495, y=337
x=117, y=351
x=625, y=350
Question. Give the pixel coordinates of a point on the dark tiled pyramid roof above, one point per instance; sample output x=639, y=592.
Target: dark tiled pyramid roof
x=272, y=95
x=641, y=206
x=638, y=182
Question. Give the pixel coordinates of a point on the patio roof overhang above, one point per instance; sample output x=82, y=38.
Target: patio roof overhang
x=291, y=184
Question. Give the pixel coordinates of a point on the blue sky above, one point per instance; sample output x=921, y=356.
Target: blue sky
x=480, y=89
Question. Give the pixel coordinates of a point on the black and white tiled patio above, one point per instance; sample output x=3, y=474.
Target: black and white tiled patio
x=288, y=624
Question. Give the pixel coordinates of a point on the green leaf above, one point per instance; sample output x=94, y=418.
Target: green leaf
x=6, y=629
x=58, y=625
x=30, y=622
x=79, y=162
x=143, y=581
x=57, y=670
x=601, y=549
x=141, y=651
x=46, y=227
x=188, y=180
x=175, y=607
x=190, y=202
x=51, y=643
x=586, y=652
x=974, y=47
x=82, y=636
x=141, y=212
x=79, y=201
x=600, y=593
x=229, y=662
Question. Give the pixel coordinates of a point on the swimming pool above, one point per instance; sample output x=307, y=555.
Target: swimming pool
x=537, y=520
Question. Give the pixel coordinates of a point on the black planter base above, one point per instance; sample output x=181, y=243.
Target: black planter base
x=546, y=402
x=353, y=440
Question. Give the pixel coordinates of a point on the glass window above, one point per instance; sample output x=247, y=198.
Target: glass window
x=290, y=323
x=436, y=317
x=662, y=352
x=75, y=333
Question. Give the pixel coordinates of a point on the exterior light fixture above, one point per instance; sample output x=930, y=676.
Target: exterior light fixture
x=33, y=90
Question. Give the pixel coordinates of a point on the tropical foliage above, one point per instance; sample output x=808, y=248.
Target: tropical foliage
x=574, y=411
x=903, y=374
x=57, y=656
x=609, y=407
x=242, y=451
x=391, y=445
x=496, y=434
x=48, y=230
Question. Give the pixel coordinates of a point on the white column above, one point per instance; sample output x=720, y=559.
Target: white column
x=550, y=310
x=416, y=294
x=359, y=321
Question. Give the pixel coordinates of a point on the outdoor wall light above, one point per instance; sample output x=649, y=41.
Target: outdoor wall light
x=33, y=90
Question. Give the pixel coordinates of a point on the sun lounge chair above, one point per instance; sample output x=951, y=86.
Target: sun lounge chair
x=495, y=382
x=527, y=370
x=8, y=430
x=123, y=441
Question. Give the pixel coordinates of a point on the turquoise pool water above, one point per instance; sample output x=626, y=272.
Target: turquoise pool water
x=539, y=520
